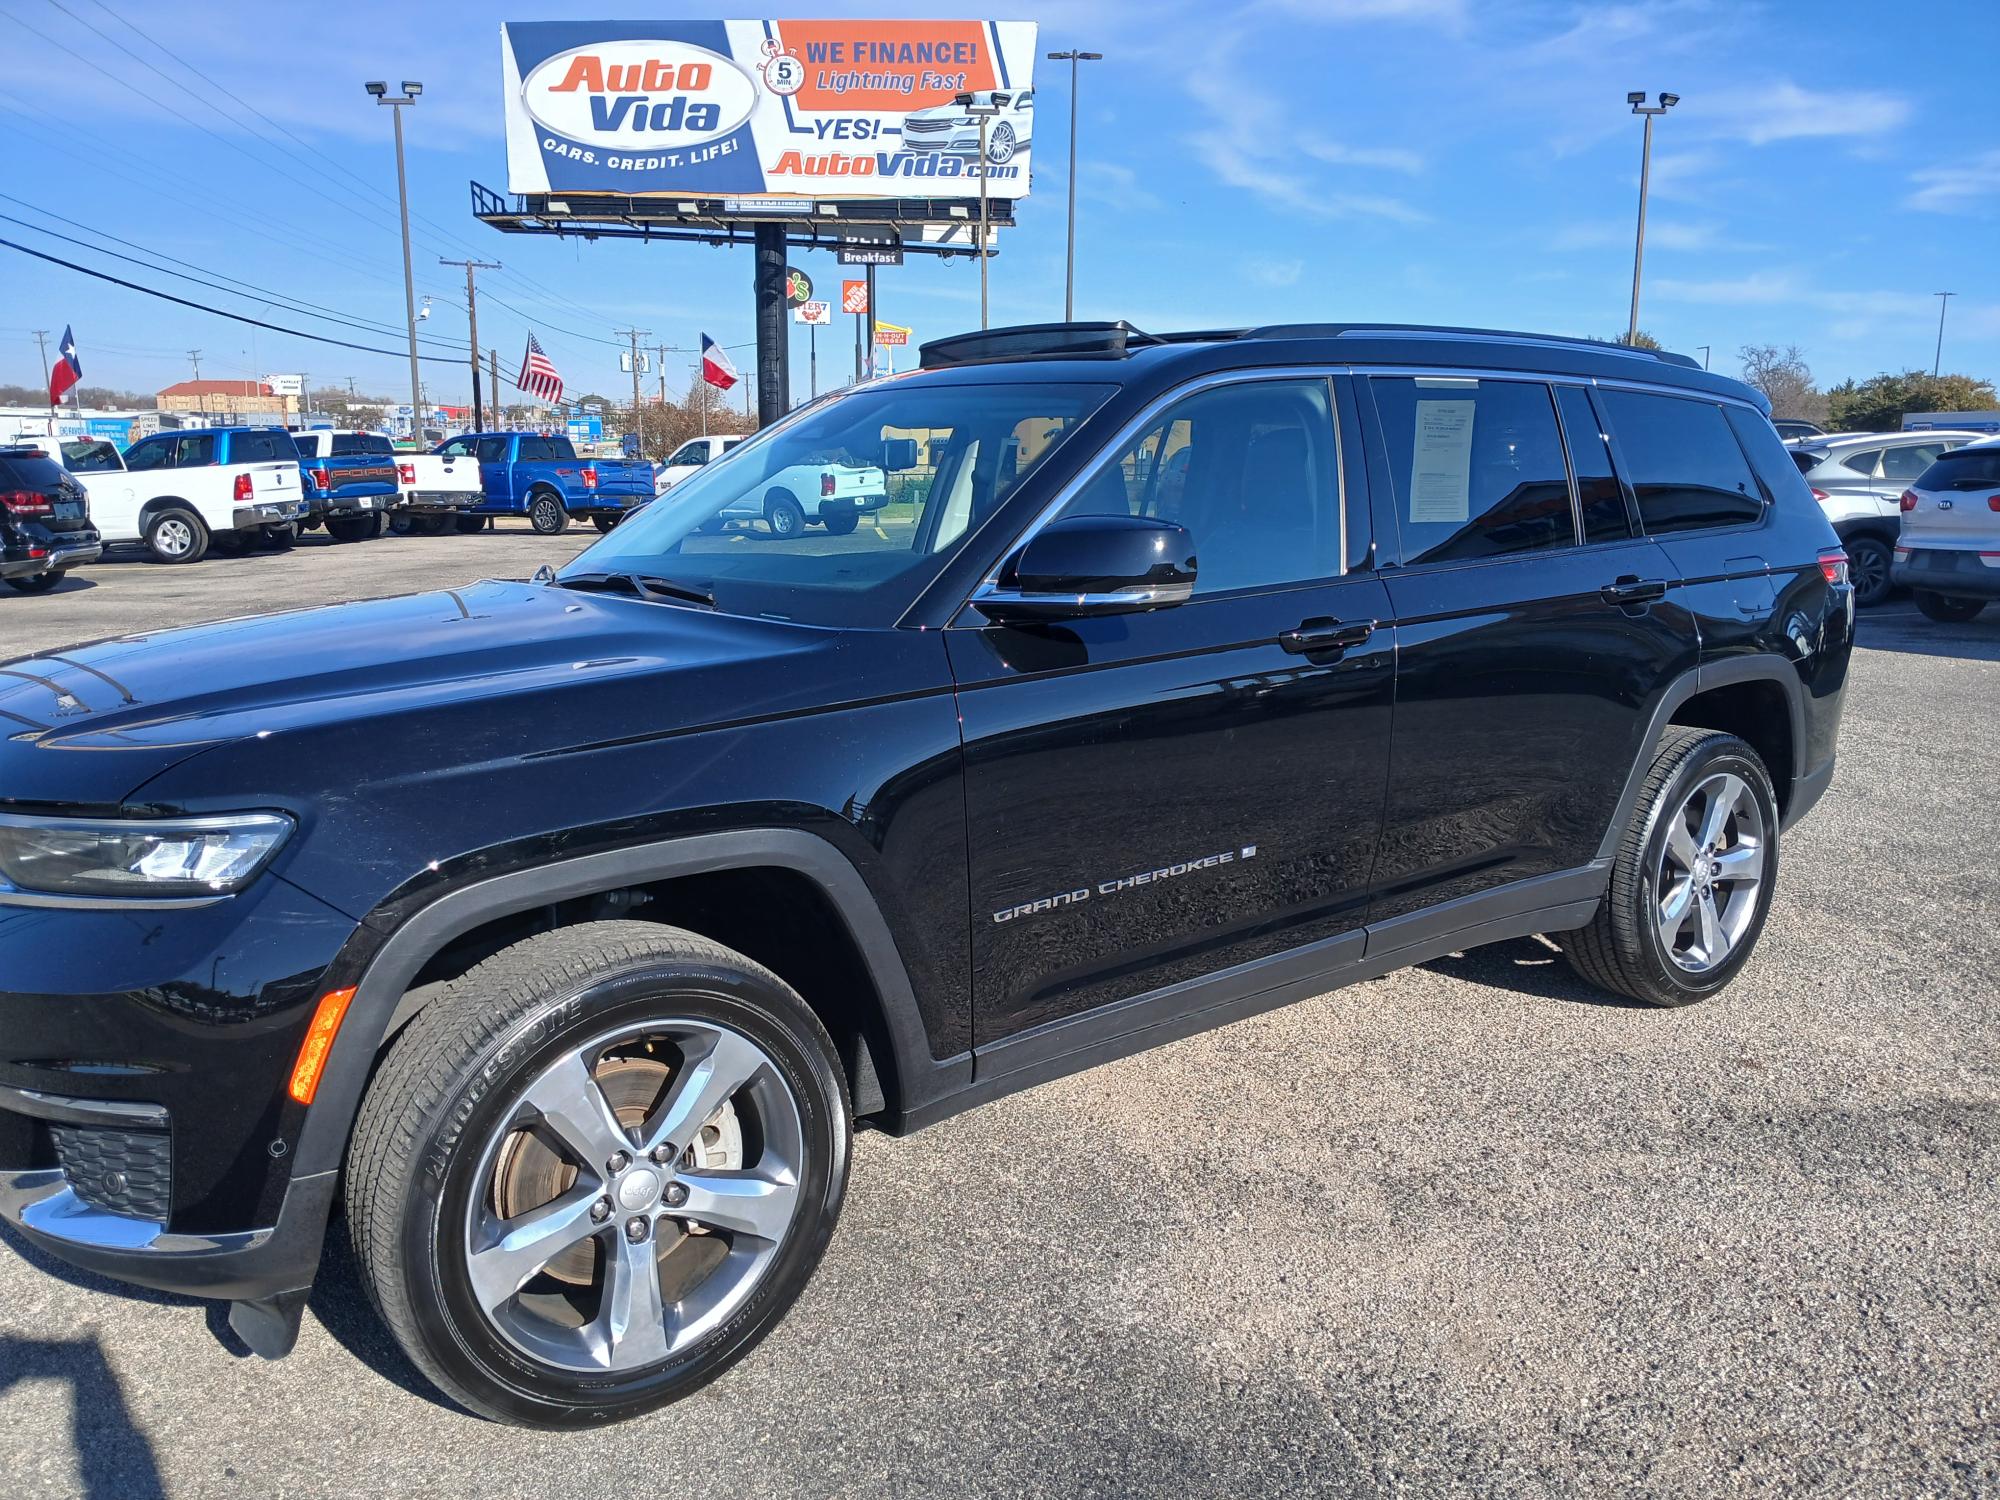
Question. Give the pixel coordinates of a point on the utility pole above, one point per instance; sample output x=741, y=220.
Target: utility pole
x=661, y=355
x=493, y=369
x=194, y=358
x=1069, y=276
x=472, y=316
x=635, y=334
x=1640, y=107
x=1937, y=360
x=380, y=91
x=305, y=396
x=42, y=343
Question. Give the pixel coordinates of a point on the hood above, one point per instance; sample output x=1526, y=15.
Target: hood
x=92, y=724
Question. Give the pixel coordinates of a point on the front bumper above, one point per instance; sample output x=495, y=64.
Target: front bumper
x=64, y=555
x=1954, y=572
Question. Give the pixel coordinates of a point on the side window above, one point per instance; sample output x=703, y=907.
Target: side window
x=559, y=448
x=1599, y=494
x=1248, y=469
x=1477, y=466
x=458, y=447
x=1778, y=468
x=193, y=452
x=1906, y=463
x=534, y=450
x=1683, y=461
x=1863, y=463
x=257, y=448
x=691, y=454
x=153, y=453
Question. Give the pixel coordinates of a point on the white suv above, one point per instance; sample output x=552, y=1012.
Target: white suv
x=1858, y=478
x=1949, y=549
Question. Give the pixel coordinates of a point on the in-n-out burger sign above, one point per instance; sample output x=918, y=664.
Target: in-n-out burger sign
x=633, y=92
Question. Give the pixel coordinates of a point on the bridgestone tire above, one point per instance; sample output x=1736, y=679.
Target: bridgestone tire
x=1946, y=610
x=1621, y=950
x=449, y=1084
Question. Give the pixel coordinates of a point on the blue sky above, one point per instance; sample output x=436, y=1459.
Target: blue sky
x=1830, y=168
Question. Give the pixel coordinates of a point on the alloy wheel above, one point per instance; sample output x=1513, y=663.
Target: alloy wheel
x=1711, y=869
x=174, y=537
x=634, y=1197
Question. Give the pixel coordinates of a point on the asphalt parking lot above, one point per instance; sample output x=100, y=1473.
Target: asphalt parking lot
x=1467, y=1229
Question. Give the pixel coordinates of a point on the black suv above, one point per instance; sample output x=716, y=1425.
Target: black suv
x=45, y=525
x=567, y=928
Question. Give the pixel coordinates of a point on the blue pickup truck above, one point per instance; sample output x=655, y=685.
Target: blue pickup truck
x=348, y=481
x=539, y=476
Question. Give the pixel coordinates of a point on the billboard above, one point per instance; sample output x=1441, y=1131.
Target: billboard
x=790, y=109
x=286, y=385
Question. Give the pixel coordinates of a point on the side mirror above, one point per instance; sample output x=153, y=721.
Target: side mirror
x=1093, y=565
x=899, y=454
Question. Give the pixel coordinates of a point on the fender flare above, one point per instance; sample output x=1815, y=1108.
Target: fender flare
x=378, y=1005
x=1763, y=666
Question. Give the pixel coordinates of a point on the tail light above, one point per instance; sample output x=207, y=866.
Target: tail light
x=244, y=490
x=26, y=503
x=1993, y=503
x=1819, y=494
x=826, y=484
x=590, y=479
x=1909, y=501
x=406, y=473
x=322, y=479
x=1833, y=566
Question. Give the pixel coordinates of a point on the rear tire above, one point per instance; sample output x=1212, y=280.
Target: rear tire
x=491, y=1107
x=1947, y=610
x=36, y=583
x=351, y=528
x=433, y=525
x=175, y=535
x=402, y=522
x=467, y=525
x=783, y=514
x=839, y=522
x=279, y=538
x=1690, y=885
x=547, y=515
x=1868, y=570
x=604, y=523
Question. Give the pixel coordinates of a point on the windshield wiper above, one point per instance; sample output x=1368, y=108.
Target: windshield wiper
x=644, y=585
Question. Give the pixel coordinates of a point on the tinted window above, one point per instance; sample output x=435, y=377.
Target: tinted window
x=1862, y=462
x=1476, y=465
x=1683, y=460
x=1906, y=463
x=1248, y=470
x=262, y=448
x=1598, y=491
x=346, y=443
x=535, y=450
x=1770, y=460
x=193, y=451
x=1806, y=459
x=559, y=448
x=307, y=444
x=153, y=453
x=89, y=457
x=1963, y=469
x=493, y=450
x=21, y=472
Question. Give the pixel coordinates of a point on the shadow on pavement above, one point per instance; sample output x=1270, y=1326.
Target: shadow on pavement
x=114, y=1458
x=1901, y=628
x=341, y=1305
x=1528, y=966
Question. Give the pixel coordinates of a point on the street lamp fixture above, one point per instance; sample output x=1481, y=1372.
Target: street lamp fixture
x=1069, y=276
x=983, y=113
x=380, y=93
x=1640, y=107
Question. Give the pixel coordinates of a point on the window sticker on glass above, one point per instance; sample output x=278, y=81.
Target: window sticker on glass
x=1441, y=462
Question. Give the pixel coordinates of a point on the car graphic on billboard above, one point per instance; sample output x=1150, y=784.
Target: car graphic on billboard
x=950, y=127
x=798, y=110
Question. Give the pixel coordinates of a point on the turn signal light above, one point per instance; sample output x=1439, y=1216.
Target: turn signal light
x=26, y=503
x=243, y=489
x=1909, y=500
x=318, y=1045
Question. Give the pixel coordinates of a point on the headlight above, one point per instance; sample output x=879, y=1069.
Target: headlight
x=140, y=858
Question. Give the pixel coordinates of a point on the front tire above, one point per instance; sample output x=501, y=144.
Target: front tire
x=1946, y=610
x=176, y=536
x=1692, y=880
x=1868, y=570
x=547, y=515
x=532, y=1250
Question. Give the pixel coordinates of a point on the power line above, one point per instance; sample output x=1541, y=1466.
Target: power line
x=219, y=312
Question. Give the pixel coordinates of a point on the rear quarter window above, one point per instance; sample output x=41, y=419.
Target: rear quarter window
x=1685, y=462
x=1776, y=466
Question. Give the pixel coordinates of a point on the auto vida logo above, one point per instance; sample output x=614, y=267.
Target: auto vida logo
x=639, y=93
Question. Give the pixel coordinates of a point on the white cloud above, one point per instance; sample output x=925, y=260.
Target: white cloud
x=1846, y=309
x=1271, y=272
x=1666, y=235
x=1783, y=111
x=1388, y=158
x=1957, y=185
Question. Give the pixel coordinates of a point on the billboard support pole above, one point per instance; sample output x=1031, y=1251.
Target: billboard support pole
x=873, y=316
x=773, y=372
x=812, y=357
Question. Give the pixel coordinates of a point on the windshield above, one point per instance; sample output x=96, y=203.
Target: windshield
x=842, y=513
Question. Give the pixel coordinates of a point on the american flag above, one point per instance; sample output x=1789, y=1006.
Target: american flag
x=538, y=377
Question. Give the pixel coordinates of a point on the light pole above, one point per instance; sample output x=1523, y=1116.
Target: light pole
x=982, y=113
x=1069, y=274
x=1641, y=107
x=381, y=94
x=1937, y=360
x=1704, y=355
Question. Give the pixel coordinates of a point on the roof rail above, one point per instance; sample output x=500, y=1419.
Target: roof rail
x=1427, y=330
x=1033, y=338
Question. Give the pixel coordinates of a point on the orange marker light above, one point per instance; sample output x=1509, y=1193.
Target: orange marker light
x=318, y=1044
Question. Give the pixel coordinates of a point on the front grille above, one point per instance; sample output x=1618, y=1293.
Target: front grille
x=119, y=1171
x=925, y=127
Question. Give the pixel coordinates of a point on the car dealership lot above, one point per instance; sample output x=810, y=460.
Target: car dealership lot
x=1468, y=1227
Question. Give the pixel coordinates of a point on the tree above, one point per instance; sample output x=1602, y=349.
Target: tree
x=1640, y=340
x=1782, y=375
x=1878, y=404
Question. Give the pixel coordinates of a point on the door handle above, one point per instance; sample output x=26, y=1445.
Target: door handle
x=1311, y=637
x=1632, y=590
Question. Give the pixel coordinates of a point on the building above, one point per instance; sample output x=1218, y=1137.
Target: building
x=229, y=398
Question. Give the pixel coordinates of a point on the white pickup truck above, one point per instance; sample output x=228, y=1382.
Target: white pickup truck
x=830, y=494
x=690, y=456
x=435, y=490
x=177, y=492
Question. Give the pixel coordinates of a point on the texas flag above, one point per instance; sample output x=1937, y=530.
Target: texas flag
x=68, y=370
x=715, y=366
